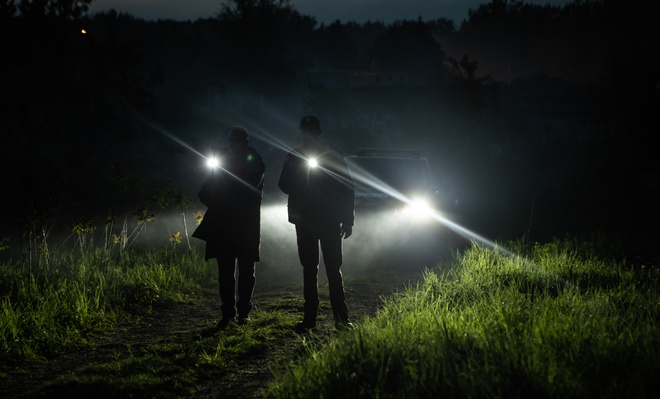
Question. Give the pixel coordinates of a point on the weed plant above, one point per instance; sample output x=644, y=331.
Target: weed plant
x=557, y=323
x=79, y=294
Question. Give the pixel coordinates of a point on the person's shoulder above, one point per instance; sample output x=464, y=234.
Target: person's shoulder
x=292, y=156
x=253, y=151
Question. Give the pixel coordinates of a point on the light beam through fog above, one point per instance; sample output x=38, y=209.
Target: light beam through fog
x=365, y=177
x=160, y=129
x=211, y=161
x=358, y=175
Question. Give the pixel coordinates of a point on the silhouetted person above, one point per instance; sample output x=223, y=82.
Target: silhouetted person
x=231, y=225
x=321, y=205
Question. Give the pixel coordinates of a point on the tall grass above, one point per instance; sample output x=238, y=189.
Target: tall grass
x=558, y=323
x=61, y=307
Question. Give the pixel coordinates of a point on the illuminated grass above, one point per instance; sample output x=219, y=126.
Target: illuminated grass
x=559, y=323
x=77, y=301
x=62, y=307
x=174, y=369
x=556, y=325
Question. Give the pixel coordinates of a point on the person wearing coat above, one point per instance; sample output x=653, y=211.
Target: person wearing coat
x=231, y=225
x=321, y=205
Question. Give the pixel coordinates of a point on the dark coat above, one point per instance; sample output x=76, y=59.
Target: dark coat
x=231, y=225
x=320, y=195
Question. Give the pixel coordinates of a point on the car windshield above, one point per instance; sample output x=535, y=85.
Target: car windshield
x=405, y=175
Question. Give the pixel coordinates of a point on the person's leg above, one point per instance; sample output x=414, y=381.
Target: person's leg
x=332, y=257
x=227, y=287
x=246, y=280
x=308, y=252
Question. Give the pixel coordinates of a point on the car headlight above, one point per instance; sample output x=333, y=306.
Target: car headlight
x=418, y=208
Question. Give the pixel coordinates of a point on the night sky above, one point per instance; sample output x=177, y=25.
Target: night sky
x=325, y=11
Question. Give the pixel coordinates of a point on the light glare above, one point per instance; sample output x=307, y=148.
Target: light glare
x=418, y=208
x=312, y=163
x=212, y=162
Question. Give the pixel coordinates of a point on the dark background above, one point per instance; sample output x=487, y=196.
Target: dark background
x=539, y=121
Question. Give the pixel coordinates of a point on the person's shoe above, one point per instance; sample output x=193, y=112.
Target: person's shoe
x=305, y=325
x=243, y=320
x=344, y=326
x=222, y=324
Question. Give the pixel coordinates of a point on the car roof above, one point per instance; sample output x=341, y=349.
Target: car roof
x=387, y=153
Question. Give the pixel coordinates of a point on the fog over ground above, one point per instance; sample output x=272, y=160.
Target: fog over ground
x=533, y=129
x=380, y=241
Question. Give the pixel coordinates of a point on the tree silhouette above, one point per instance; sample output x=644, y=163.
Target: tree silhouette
x=62, y=9
x=409, y=47
x=469, y=89
x=334, y=47
x=266, y=41
x=68, y=94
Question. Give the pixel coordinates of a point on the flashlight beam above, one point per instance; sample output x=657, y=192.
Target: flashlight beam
x=368, y=179
x=262, y=133
x=160, y=129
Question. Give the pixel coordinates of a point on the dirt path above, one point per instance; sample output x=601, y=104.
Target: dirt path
x=185, y=323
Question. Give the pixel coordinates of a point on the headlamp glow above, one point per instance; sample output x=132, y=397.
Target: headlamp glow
x=418, y=208
x=312, y=163
x=213, y=162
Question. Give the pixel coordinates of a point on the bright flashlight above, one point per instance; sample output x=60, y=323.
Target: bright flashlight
x=312, y=163
x=213, y=162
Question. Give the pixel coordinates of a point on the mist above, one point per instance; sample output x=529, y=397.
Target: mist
x=539, y=137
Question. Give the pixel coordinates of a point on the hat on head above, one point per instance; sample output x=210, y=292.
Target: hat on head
x=310, y=122
x=238, y=134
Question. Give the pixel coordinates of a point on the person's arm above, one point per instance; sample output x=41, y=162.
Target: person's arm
x=206, y=192
x=256, y=170
x=287, y=181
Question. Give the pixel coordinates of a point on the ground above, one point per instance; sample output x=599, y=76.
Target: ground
x=183, y=323
x=383, y=256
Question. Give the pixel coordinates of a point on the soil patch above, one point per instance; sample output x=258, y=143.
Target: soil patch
x=185, y=323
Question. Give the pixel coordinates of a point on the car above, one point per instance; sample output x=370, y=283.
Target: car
x=398, y=213
x=397, y=180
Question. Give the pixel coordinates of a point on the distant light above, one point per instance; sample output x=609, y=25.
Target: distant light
x=418, y=208
x=212, y=162
x=83, y=31
x=312, y=162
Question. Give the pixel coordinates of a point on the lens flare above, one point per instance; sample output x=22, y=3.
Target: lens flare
x=359, y=176
x=213, y=162
x=312, y=163
x=418, y=208
x=178, y=140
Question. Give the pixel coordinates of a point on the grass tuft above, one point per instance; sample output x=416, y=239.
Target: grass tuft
x=554, y=324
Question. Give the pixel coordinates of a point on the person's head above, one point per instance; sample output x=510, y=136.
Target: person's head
x=238, y=137
x=310, y=128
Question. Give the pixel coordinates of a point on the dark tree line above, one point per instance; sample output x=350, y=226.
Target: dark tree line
x=268, y=45
x=72, y=82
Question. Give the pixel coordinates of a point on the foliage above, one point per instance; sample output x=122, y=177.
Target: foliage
x=70, y=100
x=261, y=40
x=64, y=9
x=409, y=47
x=80, y=295
x=555, y=320
x=554, y=324
x=179, y=369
